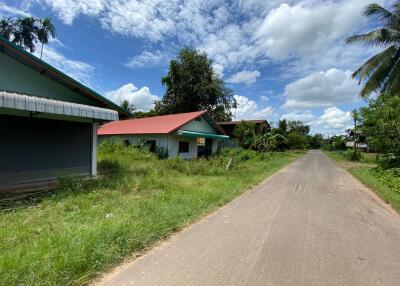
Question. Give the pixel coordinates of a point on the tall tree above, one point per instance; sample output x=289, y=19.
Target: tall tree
x=26, y=32
x=45, y=31
x=6, y=28
x=192, y=85
x=381, y=73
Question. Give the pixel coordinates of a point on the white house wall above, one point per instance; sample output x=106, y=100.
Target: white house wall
x=170, y=142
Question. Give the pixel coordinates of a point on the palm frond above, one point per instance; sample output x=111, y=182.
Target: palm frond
x=379, y=37
x=366, y=69
x=386, y=17
x=378, y=78
x=392, y=85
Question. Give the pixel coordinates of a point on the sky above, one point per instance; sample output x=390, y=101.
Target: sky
x=282, y=59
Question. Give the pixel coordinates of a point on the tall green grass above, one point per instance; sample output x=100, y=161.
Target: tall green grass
x=385, y=182
x=86, y=227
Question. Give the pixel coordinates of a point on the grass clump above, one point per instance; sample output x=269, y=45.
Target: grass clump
x=385, y=182
x=86, y=227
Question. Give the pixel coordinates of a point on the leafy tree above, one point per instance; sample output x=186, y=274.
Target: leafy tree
x=297, y=141
x=381, y=73
x=44, y=31
x=315, y=141
x=298, y=127
x=268, y=142
x=381, y=124
x=192, y=85
x=141, y=114
x=245, y=131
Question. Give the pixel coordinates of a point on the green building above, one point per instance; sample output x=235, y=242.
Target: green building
x=48, y=121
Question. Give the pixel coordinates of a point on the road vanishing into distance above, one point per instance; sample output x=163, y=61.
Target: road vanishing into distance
x=311, y=223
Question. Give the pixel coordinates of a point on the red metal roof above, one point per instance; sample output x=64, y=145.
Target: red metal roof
x=149, y=125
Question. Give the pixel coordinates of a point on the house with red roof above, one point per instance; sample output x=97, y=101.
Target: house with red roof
x=187, y=135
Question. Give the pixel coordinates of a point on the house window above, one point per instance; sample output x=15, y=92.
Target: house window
x=126, y=142
x=151, y=144
x=183, y=147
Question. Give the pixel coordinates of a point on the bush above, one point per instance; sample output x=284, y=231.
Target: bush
x=353, y=155
x=388, y=161
x=109, y=167
x=161, y=152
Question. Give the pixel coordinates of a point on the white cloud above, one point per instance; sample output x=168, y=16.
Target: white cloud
x=8, y=11
x=76, y=69
x=308, y=27
x=332, y=121
x=246, y=77
x=306, y=117
x=147, y=59
x=321, y=89
x=249, y=109
x=141, y=98
x=236, y=34
x=68, y=10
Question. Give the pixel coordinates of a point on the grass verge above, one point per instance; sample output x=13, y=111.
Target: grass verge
x=70, y=236
x=386, y=183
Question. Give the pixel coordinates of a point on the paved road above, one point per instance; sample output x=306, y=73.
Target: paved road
x=310, y=224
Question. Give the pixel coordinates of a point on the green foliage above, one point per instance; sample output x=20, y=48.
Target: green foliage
x=161, y=152
x=335, y=143
x=297, y=141
x=381, y=124
x=245, y=131
x=381, y=73
x=193, y=85
x=70, y=236
x=315, y=141
x=353, y=155
x=26, y=32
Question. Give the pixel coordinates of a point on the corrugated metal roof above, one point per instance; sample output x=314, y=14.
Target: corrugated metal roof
x=152, y=125
x=52, y=106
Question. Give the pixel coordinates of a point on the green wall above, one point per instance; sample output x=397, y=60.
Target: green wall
x=19, y=78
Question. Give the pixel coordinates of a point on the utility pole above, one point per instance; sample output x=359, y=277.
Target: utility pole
x=355, y=117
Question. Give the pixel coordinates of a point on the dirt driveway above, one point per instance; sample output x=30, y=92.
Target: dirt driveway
x=310, y=224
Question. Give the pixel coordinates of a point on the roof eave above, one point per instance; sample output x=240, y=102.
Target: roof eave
x=24, y=57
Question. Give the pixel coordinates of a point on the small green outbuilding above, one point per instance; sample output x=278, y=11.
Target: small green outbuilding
x=48, y=121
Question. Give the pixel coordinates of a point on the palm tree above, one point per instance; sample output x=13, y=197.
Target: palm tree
x=128, y=107
x=381, y=73
x=25, y=33
x=44, y=31
x=6, y=28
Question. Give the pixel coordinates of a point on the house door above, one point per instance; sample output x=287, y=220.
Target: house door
x=205, y=150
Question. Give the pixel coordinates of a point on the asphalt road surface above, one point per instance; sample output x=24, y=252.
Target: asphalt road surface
x=312, y=223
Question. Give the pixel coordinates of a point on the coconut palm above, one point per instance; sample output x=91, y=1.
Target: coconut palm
x=25, y=33
x=127, y=106
x=381, y=73
x=44, y=31
x=6, y=28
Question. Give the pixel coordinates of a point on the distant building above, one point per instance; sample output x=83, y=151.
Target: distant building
x=262, y=126
x=48, y=121
x=360, y=138
x=187, y=135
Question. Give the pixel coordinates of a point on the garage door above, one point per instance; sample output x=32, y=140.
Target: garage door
x=33, y=149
